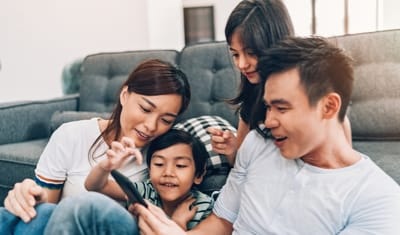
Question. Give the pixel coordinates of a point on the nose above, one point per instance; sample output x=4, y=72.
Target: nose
x=242, y=62
x=151, y=123
x=169, y=170
x=270, y=121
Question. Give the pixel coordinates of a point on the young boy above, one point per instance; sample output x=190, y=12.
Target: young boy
x=176, y=162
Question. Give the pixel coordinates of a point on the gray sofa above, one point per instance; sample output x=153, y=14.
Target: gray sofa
x=375, y=112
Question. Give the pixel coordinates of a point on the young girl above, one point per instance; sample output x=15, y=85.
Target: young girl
x=176, y=162
x=150, y=100
x=252, y=28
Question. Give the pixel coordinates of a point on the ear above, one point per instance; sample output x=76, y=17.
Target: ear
x=123, y=96
x=331, y=105
x=198, y=179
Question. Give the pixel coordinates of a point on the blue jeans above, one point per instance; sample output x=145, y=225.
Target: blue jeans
x=91, y=213
x=11, y=224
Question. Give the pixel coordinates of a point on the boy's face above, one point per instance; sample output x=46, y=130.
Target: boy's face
x=297, y=127
x=172, y=172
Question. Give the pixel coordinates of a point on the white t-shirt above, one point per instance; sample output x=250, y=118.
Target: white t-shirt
x=268, y=194
x=66, y=158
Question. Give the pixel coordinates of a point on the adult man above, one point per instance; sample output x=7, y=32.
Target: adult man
x=306, y=179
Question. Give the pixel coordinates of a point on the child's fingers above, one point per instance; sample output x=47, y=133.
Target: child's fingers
x=214, y=131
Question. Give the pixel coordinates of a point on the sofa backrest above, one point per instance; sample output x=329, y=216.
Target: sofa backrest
x=103, y=74
x=208, y=66
x=213, y=80
x=375, y=108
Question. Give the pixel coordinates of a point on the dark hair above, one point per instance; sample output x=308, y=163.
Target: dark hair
x=175, y=136
x=260, y=24
x=150, y=78
x=322, y=67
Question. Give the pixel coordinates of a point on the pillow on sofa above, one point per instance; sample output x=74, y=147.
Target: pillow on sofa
x=60, y=117
x=198, y=127
x=217, y=164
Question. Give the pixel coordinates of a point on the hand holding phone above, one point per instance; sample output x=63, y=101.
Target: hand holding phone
x=128, y=187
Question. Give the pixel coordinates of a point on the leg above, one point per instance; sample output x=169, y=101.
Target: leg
x=91, y=213
x=11, y=224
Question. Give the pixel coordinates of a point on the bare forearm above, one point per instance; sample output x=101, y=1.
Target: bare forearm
x=212, y=225
x=97, y=179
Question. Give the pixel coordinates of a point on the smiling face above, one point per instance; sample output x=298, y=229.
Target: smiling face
x=144, y=118
x=172, y=172
x=297, y=127
x=244, y=59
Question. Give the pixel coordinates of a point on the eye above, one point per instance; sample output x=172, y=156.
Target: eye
x=157, y=164
x=167, y=121
x=144, y=109
x=181, y=165
x=282, y=109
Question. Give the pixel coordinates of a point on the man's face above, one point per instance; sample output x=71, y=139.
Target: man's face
x=296, y=127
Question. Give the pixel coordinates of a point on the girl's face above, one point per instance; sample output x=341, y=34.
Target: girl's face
x=172, y=172
x=144, y=118
x=244, y=59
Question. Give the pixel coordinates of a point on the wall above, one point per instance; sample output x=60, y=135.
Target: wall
x=39, y=37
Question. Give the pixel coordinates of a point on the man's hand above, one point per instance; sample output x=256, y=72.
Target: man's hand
x=23, y=197
x=153, y=221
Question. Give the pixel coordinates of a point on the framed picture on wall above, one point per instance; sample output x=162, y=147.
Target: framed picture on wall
x=199, y=24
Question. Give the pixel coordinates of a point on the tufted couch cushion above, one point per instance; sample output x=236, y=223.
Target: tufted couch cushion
x=213, y=79
x=103, y=74
x=376, y=93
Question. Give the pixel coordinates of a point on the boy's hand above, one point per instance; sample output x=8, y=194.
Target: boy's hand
x=21, y=200
x=119, y=153
x=184, y=212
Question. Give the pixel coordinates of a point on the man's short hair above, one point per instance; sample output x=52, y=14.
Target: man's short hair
x=323, y=67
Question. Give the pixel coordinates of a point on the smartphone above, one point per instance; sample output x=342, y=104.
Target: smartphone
x=128, y=187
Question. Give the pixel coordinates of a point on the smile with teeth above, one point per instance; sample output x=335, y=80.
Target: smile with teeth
x=169, y=185
x=143, y=135
x=280, y=138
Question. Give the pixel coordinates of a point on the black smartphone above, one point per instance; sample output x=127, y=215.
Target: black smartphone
x=128, y=187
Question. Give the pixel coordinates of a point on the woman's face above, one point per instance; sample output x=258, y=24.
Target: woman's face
x=144, y=118
x=244, y=59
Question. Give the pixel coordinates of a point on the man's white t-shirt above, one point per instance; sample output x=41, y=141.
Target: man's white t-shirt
x=268, y=194
x=66, y=158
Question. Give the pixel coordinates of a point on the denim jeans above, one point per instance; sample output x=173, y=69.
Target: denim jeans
x=91, y=213
x=11, y=224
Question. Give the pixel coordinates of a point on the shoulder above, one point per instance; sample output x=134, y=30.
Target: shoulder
x=202, y=199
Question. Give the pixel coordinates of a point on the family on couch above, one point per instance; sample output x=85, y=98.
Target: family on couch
x=303, y=178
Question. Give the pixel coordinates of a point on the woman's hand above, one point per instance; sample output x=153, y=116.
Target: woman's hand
x=22, y=199
x=224, y=142
x=153, y=220
x=119, y=153
x=184, y=212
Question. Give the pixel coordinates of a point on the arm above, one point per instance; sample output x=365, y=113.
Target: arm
x=225, y=142
x=98, y=178
x=154, y=221
x=22, y=199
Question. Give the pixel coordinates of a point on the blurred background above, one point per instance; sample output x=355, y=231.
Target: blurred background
x=38, y=38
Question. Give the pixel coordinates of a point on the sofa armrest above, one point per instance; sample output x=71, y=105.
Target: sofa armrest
x=28, y=120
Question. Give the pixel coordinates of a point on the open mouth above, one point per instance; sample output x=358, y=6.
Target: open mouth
x=169, y=185
x=143, y=135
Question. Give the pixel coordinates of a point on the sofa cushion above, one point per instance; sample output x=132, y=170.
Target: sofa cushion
x=213, y=79
x=375, y=109
x=102, y=75
x=60, y=117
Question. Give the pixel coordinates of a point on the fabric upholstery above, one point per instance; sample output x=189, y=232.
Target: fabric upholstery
x=375, y=109
x=213, y=79
x=104, y=73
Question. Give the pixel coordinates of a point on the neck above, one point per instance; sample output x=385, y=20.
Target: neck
x=334, y=152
